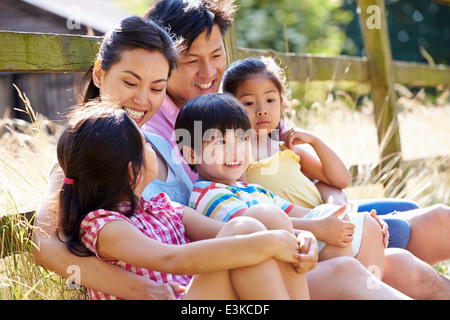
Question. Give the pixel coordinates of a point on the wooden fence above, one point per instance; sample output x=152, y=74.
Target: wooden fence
x=48, y=53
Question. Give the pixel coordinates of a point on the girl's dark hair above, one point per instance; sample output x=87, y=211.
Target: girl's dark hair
x=219, y=111
x=187, y=19
x=131, y=33
x=242, y=70
x=95, y=151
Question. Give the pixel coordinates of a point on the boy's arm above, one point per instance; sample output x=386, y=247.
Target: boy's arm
x=199, y=227
x=328, y=228
x=94, y=273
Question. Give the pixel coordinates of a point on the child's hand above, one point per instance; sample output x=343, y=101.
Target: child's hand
x=308, y=250
x=164, y=291
x=384, y=227
x=287, y=246
x=297, y=136
x=335, y=231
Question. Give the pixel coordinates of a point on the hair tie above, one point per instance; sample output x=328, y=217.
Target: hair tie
x=67, y=181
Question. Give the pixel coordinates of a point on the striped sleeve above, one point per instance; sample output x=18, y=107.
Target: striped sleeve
x=284, y=205
x=216, y=202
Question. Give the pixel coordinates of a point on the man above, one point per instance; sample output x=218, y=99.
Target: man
x=200, y=26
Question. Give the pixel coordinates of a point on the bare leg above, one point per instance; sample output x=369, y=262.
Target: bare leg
x=430, y=233
x=345, y=278
x=274, y=218
x=371, y=252
x=414, y=277
x=330, y=252
x=331, y=194
x=262, y=281
x=338, y=278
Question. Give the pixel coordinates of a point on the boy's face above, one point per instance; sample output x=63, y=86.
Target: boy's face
x=225, y=158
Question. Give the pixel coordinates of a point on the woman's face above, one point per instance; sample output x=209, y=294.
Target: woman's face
x=138, y=82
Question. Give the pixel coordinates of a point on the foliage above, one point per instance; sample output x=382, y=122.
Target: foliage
x=311, y=26
x=418, y=30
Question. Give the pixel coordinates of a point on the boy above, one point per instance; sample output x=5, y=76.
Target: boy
x=212, y=132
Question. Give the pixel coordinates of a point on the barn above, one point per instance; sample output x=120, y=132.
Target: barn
x=50, y=94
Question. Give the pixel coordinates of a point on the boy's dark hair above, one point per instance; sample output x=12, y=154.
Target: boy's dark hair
x=219, y=111
x=187, y=19
x=95, y=151
x=131, y=33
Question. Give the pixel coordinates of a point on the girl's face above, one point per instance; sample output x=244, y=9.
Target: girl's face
x=262, y=99
x=138, y=81
x=224, y=157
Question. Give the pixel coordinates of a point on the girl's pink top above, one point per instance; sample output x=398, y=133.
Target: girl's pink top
x=159, y=219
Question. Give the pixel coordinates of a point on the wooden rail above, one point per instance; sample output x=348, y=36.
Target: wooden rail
x=43, y=52
x=52, y=53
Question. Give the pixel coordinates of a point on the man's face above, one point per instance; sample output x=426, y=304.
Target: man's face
x=200, y=69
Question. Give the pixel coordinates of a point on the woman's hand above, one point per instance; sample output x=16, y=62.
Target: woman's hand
x=384, y=227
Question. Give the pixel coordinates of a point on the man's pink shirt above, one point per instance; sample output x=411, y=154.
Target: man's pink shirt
x=163, y=124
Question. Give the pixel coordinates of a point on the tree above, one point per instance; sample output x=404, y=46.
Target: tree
x=313, y=26
x=412, y=25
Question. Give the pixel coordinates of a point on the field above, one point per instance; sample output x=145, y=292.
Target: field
x=27, y=154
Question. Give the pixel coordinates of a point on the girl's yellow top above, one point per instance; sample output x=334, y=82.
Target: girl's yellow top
x=281, y=174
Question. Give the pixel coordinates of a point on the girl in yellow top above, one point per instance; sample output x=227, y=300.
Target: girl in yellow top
x=285, y=168
x=259, y=85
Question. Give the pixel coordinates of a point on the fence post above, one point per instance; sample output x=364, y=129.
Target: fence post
x=372, y=18
x=230, y=44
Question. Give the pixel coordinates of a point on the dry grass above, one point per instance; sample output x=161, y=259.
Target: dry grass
x=424, y=131
x=26, y=156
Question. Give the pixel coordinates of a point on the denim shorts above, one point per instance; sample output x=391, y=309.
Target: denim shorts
x=399, y=230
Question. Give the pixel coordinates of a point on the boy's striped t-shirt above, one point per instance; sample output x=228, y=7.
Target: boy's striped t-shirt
x=224, y=202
